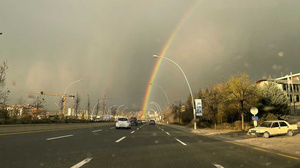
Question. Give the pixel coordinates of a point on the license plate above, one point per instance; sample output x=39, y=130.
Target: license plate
x=252, y=133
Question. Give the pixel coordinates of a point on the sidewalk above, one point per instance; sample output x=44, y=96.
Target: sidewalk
x=285, y=144
x=18, y=128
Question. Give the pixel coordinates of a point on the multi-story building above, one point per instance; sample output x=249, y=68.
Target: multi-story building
x=18, y=110
x=291, y=85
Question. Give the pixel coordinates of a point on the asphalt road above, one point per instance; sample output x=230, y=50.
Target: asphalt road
x=142, y=146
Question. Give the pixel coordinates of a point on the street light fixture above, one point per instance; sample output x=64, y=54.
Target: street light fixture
x=119, y=107
x=109, y=109
x=64, y=95
x=124, y=110
x=163, y=91
x=94, y=107
x=192, y=97
x=157, y=106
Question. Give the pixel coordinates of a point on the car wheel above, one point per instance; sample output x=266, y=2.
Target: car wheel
x=290, y=133
x=266, y=135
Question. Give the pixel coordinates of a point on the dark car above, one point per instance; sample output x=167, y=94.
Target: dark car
x=139, y=122
x=152, y=122
x=133, y=121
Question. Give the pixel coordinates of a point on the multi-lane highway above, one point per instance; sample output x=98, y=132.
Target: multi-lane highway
x=141, y=146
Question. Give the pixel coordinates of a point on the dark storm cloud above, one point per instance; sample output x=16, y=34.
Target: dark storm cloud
x=109, y=44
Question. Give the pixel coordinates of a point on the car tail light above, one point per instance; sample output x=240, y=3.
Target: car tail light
x=128, y=121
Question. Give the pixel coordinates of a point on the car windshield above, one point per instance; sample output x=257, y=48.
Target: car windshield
x=123, y=119
x=266, y=124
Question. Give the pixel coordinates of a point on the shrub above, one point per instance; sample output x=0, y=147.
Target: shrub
x=238, y=125
x=225, y=126
x=26, y=119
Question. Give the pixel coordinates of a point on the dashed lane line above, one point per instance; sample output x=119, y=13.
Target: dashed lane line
x=132, y=132
x=217, y=165
x=167, y=133
x=80, y=164
x=181, y=142
x=119, y=140
x=97, y=130
x=65, y=136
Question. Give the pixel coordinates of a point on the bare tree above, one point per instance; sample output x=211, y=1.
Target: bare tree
x=97, y=107
x=21, y=101
x=77, y=104
x=89, y=107
x=4, y=98
x=3, y=70
x=103, y=104
x=39, y=104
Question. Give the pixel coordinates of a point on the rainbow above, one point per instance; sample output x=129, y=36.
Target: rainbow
x=163, y=53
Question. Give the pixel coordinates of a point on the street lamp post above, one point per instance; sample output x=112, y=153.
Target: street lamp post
x=119, y=107
x=124, y=110
x=163, y=91
x=94, y=107
x=157, y=105
x=109, y=109
x=192, y=97
x=65, y=96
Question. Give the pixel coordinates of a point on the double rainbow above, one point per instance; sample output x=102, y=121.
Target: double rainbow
x=163, y=53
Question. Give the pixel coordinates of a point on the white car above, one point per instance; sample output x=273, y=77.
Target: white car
x=276, y=127
x=123, y=123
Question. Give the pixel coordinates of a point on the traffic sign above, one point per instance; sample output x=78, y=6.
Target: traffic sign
x=254, y=111
x=198, y=103
x=255, y=118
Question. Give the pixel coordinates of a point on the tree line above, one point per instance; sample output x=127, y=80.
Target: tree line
x=230, y=102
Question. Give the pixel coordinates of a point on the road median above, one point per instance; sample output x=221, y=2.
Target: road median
x=28, y=128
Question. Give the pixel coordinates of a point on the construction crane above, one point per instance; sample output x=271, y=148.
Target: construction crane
x=64, y=97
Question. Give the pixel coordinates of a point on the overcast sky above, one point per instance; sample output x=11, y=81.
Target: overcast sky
x=109, y=45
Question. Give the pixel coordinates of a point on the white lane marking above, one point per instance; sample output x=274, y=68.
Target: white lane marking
x=167, y=133
x=132, y=132
x=112, y=128
x=181, y=142
x=97, y=130
x=121, y=139
x=217, y=165
x=162, y=129
x=85, y=161
x=137, y=129
x=65, y=136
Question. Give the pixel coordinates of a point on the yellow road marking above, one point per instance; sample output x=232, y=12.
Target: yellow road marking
x=238, y=144
x=260, y=149
x=287, y=156
x=28, y=132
